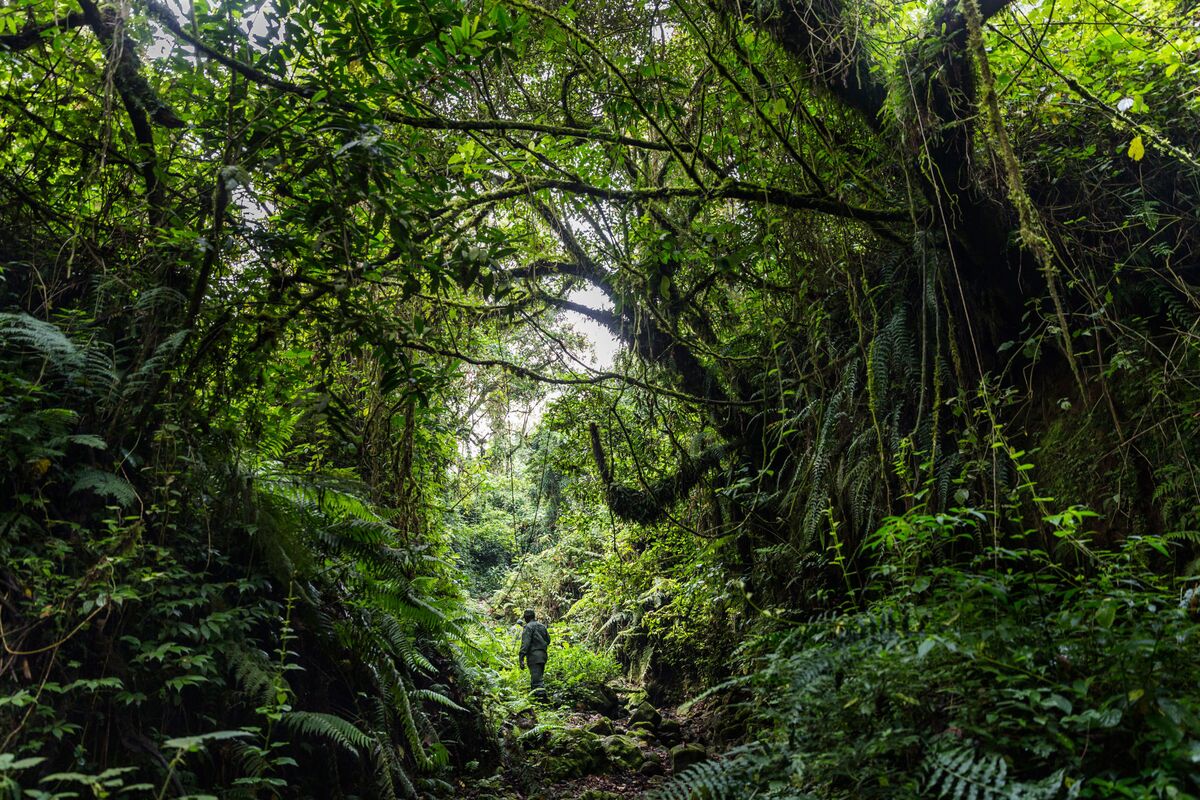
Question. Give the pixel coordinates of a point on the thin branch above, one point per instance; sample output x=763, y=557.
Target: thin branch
x=32, y=34
x=597, y=379
x=258, y=76
x=746, y=192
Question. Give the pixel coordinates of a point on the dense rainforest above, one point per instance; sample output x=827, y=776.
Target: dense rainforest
x=825, y=374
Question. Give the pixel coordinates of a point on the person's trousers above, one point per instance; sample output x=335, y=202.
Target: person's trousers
x=537, y=669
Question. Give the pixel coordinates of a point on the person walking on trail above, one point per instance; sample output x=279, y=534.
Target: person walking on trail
x=535, y=644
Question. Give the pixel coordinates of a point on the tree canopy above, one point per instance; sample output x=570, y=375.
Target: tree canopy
x=906, y=298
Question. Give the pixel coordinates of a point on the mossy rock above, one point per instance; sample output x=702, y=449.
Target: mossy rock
x=644, y=712
x=601, y=727
x=526, y=717
x=572, y=753
x=535, y=738
x=670, y=732
x=685, y=755
x=650, y=768
x=601, y=699
x=645, y=735
x=623, y=751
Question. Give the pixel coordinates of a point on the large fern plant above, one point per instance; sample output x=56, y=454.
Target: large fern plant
x=1006, y=678
x=362, y=592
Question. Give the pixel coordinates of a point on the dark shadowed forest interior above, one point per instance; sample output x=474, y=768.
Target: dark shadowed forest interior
x=824, y=374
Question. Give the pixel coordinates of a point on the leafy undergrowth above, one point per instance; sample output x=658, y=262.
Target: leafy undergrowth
x=1012, y=677
x=206, y=617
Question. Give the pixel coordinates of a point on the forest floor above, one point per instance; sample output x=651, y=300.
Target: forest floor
x=595, y=741
x=589, y=756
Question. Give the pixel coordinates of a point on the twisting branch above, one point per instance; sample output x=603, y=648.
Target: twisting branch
x=730, y=190
x=163, y=14
x=31, y=35
x=654, y=502
x=140, y=101
x=596, y=379
x=501, y=125
x=650, y=340
x=634, y=95
x=258, y=76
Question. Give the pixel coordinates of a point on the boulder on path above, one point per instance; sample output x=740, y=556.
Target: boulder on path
x=601, y=699
x=685, y=755
x=623, y=751
x=644, y=712
x=650, y=768
x=601, y=727
x=670, y=732
x=572, y=753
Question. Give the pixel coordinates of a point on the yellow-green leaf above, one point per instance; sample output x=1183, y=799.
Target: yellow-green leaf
x=1137, y=149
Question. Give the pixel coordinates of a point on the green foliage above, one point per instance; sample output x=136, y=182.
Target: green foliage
x=1006, y=677
x=282, y=296
x=575, y=674
x=959, y=770
x=210, y=592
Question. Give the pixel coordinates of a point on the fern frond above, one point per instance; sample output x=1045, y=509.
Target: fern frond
x=253, y=673
x=148, y=371
x=40, y=338
x=439, y=699
x=331, y=728
x=959, y=770
x=403, y=645
x=104, y=484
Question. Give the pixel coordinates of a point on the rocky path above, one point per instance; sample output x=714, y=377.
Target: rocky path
x=590, y=756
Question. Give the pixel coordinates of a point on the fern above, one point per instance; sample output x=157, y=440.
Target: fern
x=40, y=338
x=331, y=728
x=408, y=722
x=148, y=371
x=437, y=698
x=253, y=673
x=249, y=758
x=728, y=779
x=104, y=484
x=334, y=544
x=403, y=645
x=159, y=298
x=87, y=369
x=1190, y=537
x=960, y=772
x=823, y=452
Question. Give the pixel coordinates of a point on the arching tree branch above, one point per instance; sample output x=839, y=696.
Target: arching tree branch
x=653, y=503
x=730, y=190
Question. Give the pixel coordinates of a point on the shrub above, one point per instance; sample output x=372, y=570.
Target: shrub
x=576, y=675
x=1009, y=677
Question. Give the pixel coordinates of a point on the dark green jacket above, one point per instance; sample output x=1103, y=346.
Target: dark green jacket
x=535, y=640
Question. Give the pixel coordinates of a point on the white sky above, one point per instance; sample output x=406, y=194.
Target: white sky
x=604, y=344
